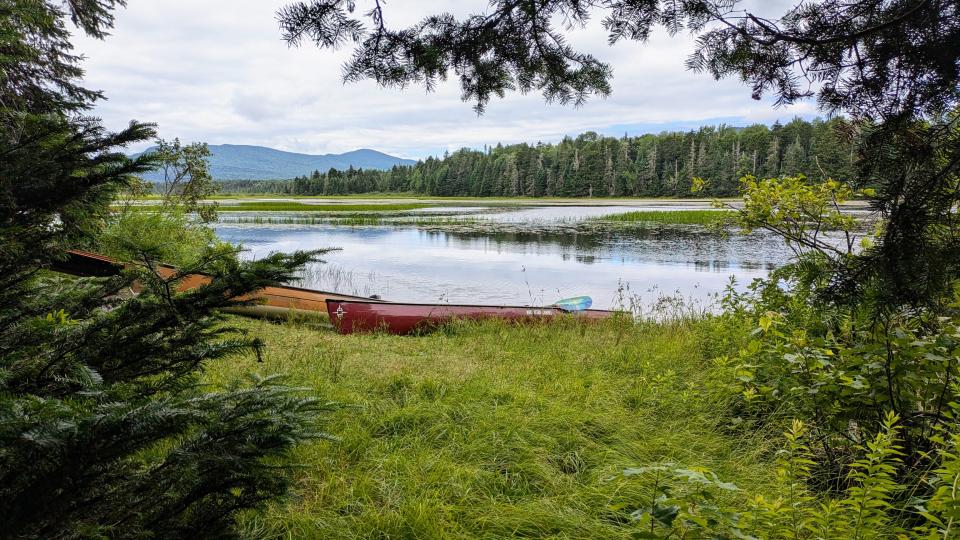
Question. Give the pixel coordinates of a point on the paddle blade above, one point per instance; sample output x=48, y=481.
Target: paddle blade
x=578, y=303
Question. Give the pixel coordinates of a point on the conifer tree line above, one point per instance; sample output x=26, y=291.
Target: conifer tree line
x=591, y=165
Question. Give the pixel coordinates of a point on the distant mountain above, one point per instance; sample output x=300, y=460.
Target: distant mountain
x=245, y=162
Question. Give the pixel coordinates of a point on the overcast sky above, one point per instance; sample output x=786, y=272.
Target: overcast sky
x=217, y=71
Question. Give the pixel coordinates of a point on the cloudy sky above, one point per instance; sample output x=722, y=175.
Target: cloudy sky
x=217, y=71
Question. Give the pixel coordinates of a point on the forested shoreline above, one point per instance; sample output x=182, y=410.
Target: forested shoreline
x=591, y=165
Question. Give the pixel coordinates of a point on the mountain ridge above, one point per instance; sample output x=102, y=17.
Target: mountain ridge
x=253, y=162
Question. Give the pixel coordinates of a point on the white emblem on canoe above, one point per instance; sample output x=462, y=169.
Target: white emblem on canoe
x=340, y=312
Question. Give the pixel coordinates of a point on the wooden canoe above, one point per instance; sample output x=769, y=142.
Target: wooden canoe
x=274, y=302
x=349, y=316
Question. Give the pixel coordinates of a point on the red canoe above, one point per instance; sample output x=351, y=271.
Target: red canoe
x=364, y=316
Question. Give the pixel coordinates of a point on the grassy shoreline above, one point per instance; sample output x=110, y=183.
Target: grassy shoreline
x=496, y=430
x=356, y=220
x=412, y=196
x=284, y=206
x=433, y=199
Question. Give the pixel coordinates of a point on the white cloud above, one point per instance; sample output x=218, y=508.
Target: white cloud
x=217, y=71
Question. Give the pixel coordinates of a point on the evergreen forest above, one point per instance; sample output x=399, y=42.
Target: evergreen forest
x=592, y=165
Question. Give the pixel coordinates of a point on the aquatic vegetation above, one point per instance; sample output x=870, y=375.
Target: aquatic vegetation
x=674, y=217
x=332, y=277
x=351, y=220
x=292, y=206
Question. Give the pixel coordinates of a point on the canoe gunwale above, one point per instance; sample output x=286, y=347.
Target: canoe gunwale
x=482, y=306
x=410, y=318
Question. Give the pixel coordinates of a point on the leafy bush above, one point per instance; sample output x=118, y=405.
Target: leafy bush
x=696, y=503
x=174, y=230
x=837, y=364
x=873, y=385
x=169, y=235
x=840, y=376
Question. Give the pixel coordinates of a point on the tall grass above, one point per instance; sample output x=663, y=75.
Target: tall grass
x=332, y=277
x=591, y=201
x=494, y=430
x=291, y=206
x=673, y=217
x=352, y=220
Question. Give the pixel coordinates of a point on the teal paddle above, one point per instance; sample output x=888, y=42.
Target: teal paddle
x=577, y=303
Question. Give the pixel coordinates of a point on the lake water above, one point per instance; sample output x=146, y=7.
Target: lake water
x=541, y=257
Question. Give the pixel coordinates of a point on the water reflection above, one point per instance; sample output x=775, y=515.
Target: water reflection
x=526, y=267
x=533, y=214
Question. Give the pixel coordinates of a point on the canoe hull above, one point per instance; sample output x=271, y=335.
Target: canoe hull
x=349, y=317
x=269, y=302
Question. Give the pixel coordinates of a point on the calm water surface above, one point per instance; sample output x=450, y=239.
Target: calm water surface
x=532, y=264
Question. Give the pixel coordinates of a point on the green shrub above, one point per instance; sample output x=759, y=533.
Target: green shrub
x=172, y=236
x=696, y=503
x=873, y=385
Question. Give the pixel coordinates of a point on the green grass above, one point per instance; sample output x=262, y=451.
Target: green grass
x=422, y=196
x=675, y=217
x=289, y=206
x=494, y=430
x=435, y=198
x=357, y=220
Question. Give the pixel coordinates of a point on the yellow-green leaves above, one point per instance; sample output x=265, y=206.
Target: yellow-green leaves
x=797, y=209
x=58, y=317
x=768, y=319
x=697, y=184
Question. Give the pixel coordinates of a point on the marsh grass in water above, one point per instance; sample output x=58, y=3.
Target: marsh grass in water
x=350, y=220
x=293, y=206
x=466, y=224
x=290, y=206
x=495, y=430
x=332, y=277
x=673, y=217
